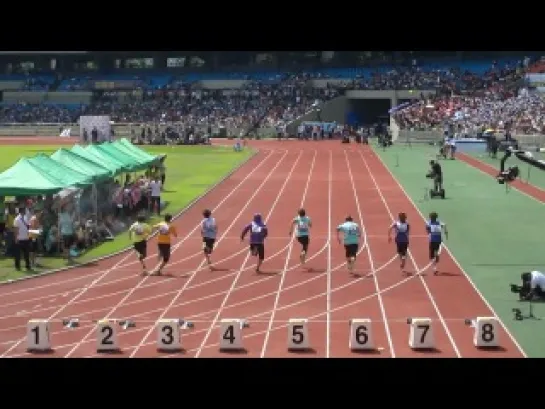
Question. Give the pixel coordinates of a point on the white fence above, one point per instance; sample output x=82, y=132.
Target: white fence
x=530, y=142
x=121, y=130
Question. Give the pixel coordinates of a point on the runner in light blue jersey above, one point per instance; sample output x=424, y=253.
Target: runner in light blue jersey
x=302, y=224
x=209, y=232
x=351, y=240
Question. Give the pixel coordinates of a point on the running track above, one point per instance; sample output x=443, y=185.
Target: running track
x=330, y=180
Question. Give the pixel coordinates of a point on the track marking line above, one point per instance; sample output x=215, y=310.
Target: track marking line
x=63, y=307
x=133, y=289
x=384, y=266
x=233, y=285
x=202, y=284
x=166, y=309
x=371, y=261
x=428, y=292
x=328, y=269
x=341, y=307
x=296, y=303
x=456, y=261
x=286, y=264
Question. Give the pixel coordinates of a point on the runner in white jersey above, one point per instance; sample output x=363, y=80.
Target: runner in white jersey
x=303, y=224
x=209, y=232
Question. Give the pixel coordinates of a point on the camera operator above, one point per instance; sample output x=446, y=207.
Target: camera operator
x=533, y=285
x=436, y=173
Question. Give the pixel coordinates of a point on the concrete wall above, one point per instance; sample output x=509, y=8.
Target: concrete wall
x=222, y=84
x=10, y=85
x=34, y=97
x=30, y=97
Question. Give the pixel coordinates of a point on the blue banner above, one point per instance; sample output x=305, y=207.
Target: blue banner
x=399, y=107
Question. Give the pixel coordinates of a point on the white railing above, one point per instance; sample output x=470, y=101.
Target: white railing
x=120, y=129
x=530, y=142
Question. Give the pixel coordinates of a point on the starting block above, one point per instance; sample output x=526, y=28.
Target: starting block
x=107, y=336
x=421, y=333
x=37, y=335
x=486, y=332
x=168, y=335
x=70, y=323
x=298, y=334
x=231, y=334
x=361, y=335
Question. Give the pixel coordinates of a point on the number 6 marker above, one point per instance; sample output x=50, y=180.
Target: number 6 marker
x=361, y=335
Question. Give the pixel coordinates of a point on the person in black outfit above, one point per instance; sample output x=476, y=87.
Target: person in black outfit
x=94, y=135
x=436, y=173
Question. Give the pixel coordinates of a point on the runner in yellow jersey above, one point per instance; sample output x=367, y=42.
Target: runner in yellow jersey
x=166, y=231
x=139, y=233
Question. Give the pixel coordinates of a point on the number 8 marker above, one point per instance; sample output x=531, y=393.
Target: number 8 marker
x=486, y=332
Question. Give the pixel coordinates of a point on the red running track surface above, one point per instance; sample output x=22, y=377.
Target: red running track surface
x=331, y=181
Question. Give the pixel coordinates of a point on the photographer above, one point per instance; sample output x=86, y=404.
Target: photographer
x=533, y=286
x=436, y=173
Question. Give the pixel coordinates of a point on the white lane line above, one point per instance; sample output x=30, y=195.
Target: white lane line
x=285, y=269
x=328, y=269
x=428, y=292
x=371, y=261
x=233, y=285
x=120, y=303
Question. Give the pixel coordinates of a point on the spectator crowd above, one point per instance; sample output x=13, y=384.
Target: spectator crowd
x=468, y=98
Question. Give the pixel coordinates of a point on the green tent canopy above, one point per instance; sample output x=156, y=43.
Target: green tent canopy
x=127, y=164
x=131, y=161
x=82, y=164
x=26, y=179
x=99, y=159
x=145, y=160
x=68, y=176
x=127, y=144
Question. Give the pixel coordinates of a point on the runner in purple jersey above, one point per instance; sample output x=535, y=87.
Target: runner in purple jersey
x=258, y=232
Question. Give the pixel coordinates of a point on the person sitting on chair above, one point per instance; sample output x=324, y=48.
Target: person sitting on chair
x=533, y=285
x=436, y=173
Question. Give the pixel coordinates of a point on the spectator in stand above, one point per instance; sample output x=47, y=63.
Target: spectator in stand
x=266, y=103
